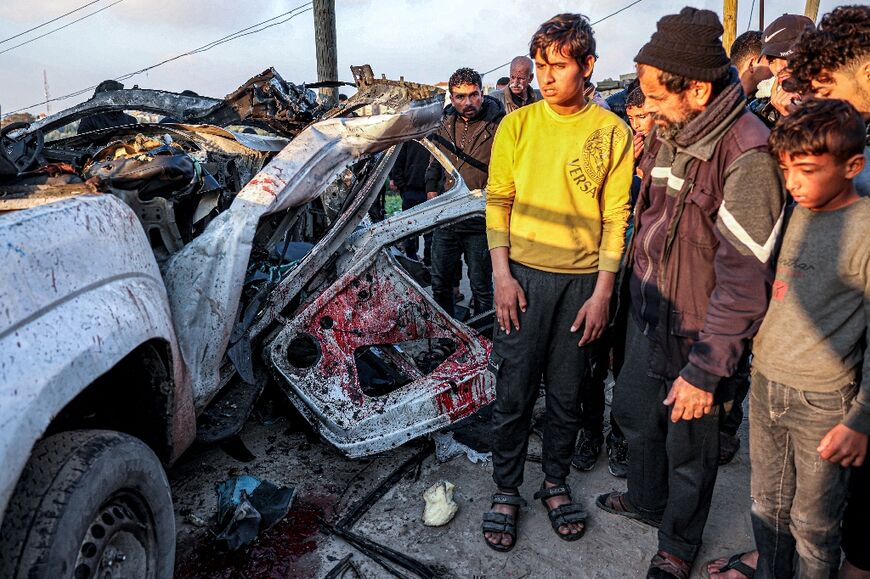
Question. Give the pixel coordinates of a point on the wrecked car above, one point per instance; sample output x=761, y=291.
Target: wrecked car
x=158, y=275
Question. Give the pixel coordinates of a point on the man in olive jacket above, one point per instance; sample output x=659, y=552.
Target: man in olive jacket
x=519, y=92
x=465, y=136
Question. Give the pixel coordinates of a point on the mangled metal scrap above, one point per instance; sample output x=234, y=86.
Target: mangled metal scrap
x=427, y=369
x=205, y=278
x=376, y=319
x=265, y=100
x=175, y=177
x=269, y=101
x=271, y=262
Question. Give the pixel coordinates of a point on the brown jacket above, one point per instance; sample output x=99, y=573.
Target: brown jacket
x=706, y=226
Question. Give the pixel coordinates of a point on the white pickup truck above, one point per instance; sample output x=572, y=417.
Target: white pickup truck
x=107, y=359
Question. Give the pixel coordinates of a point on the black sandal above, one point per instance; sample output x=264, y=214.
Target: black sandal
x=561, y=516
x=734, y=564
x=494, y=522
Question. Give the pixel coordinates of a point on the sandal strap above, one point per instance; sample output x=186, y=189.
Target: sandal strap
x=545, y=493
x=671, y=564
x=499, y=523
x=735, y=564
x=567, y=514
x=513, y=500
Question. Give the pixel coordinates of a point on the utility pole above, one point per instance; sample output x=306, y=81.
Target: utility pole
x=761, y=15
x=325, y=48
x=729, y=22
x=45, y=88
x=811, y=9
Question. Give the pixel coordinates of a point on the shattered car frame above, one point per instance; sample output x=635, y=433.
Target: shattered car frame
x=435, y=365
x=377, y=305
x=156, y=274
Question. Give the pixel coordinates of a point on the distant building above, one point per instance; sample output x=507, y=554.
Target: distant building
x=608, y=86
x=17, y=118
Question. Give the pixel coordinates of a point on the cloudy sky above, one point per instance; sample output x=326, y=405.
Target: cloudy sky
x=421, y=40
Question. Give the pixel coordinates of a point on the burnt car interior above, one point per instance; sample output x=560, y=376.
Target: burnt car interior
x=331, y=312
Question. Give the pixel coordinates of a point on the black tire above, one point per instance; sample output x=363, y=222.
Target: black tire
x=89, y=501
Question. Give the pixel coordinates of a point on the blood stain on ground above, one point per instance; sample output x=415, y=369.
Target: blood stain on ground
x=287, y=550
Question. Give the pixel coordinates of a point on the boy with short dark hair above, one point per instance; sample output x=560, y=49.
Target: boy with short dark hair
x=556, y=211
x=809, y=418
x=834, y=62
x=750, y=64
x=611, y=346
x=639, y=118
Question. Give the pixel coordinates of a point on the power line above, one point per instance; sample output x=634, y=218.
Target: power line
x=49, y=21
x=600, y=20
x=751, y=12
x=626, y=7
x=205, y=47
x=224, y=40
x=61, y=27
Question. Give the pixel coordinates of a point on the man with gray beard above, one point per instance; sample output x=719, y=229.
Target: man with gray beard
x=519, y=92
x=699, y=271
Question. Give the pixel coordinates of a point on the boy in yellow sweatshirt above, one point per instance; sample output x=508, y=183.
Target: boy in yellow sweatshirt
x=556, y=213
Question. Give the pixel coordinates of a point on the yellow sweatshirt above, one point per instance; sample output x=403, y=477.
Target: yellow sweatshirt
x=558, y=190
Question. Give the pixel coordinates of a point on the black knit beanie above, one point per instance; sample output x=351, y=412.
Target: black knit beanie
x=687, y=44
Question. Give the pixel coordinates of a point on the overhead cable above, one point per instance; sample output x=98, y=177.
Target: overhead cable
x=68, y=24
x=49, y=21
x=252, y=29
x=600, y=20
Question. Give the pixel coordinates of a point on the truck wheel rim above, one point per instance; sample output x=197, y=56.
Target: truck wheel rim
x=120, y=541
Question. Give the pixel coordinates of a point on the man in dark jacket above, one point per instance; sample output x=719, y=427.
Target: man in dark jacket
x=699, y=271
x=409, y=176
x=465, y=136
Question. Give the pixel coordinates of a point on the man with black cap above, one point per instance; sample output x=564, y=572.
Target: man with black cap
x=777, y=43
x=698, y=270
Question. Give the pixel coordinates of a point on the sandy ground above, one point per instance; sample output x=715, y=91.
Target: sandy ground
x=327, y=484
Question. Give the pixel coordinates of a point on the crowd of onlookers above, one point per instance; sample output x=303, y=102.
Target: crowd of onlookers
x=717, y=249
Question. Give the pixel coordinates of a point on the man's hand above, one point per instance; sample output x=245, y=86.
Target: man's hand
x=595, y=311
x=843, y=445
x=638, y=145
x=689, y=401
x=431, y=195
x=592, y=317
x=782, y=100
x=510, y=299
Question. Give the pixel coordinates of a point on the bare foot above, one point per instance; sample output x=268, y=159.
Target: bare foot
x=558, y=501
x=749, y=559
x=502, y=538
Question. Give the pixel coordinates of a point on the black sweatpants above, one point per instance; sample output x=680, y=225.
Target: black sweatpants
x=673, y=466
x=856, y=526
x=544, y=347
x=738, y=384
x=594, y=403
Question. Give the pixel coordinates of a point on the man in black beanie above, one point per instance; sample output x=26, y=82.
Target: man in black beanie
x=698, y=271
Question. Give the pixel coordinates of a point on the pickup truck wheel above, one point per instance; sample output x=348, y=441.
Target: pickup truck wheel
x=89, y=504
